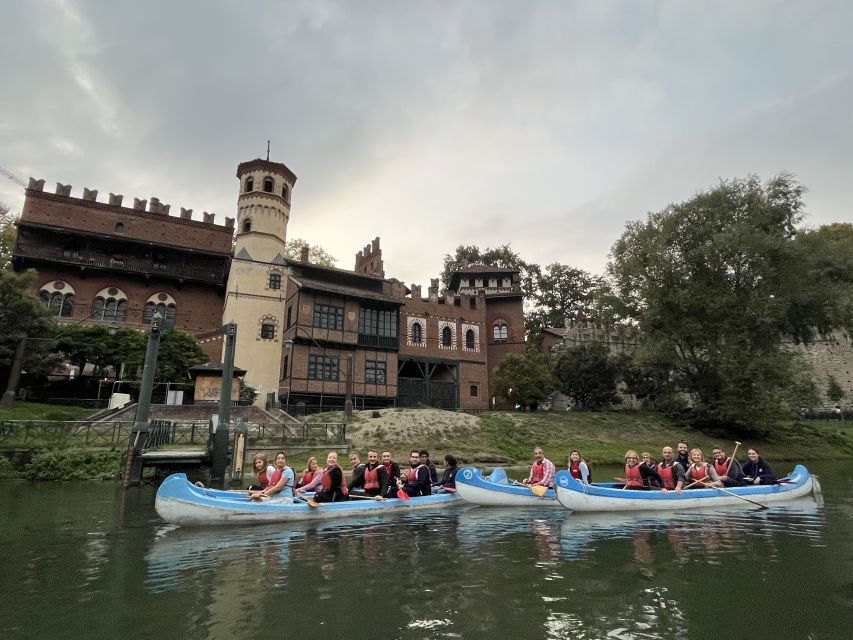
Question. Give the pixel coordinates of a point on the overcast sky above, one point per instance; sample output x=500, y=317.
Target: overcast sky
x=546, y=125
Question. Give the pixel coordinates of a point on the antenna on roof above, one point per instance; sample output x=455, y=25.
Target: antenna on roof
x=268, y=150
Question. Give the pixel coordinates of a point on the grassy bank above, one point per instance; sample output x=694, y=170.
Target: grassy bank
x=36, y=411
x=602, y=437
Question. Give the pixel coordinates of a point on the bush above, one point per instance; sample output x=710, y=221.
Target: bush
x=74, y=464
x=7, y=470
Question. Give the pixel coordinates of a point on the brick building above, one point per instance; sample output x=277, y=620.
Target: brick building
x=119, y=265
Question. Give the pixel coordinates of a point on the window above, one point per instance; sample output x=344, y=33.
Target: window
x=285, y=193
x=268, y=184
x=472, y=302
x=474, y=391
x=275, y=280
x=469, y=339
x=59, y=303
x=457, y=302
x=377, y=322
x=268, y=331
x=289, y=314
x=110, y=309
x=247, y=225
x=250, y=184
x=472, y=282
x=417, y=333
x=322, y=367
x=119, y=227
x=327, y=316
x=374, y=372
x=500, y=332
x=167, y=313
x=446, y=337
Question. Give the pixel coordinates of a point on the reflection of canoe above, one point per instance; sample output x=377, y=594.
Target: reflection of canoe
x=496, y=491
x=579, y=497
x=180, y=502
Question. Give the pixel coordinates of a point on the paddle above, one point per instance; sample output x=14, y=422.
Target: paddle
x=732, y=459
x=538, y=489
x=693, y=484
x=731, y=493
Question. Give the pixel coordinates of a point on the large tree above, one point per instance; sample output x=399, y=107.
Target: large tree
x=588, y=374
x=715, y=284
x=502, y=256
x=316, y=254
x=8, y=233
x=523, y=378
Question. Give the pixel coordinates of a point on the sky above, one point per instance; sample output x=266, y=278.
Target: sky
x=545, y=125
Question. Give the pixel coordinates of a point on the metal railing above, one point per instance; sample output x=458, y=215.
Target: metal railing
x=48, y=433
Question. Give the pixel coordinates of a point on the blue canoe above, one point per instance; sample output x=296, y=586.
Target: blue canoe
x=181, y=502
x=583, y=497
x=497, y=491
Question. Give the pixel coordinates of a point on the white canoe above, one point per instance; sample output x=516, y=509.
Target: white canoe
x=496, y=491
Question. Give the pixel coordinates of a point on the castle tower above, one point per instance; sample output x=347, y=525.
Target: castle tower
x=256, y=282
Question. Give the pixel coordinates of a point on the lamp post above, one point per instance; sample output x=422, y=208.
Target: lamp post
x=288, y=344
x=141, y=424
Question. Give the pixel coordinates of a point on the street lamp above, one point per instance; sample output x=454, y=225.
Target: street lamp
x=288, y=344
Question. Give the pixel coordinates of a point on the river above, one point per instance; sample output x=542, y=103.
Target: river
x=88, y=560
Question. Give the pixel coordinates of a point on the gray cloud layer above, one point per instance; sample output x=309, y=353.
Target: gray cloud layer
x=542, y=124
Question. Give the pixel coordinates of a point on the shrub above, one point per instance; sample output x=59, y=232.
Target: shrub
x=74, y=464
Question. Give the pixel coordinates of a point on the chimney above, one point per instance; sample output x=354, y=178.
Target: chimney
x=303, y=256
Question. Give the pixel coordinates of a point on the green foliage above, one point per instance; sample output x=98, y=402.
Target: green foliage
x=247, y=393
x=8, y=234
x=834, y=391
x=587, y=374
x=502, y=256
x=74, y=464
x=38, y=411
x=523, y=378
x=23, y=315
x=316, y=254
x=715, y=283
x=7, y=470
x=88, y=343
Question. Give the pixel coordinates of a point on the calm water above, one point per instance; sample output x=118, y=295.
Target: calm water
x=93, y=561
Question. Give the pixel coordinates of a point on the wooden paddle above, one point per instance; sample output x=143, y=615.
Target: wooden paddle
x=538, y=489
x=731, y=493
x=732, y=459
x=693, y=484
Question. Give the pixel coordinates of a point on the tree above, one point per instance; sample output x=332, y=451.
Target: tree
x=502, y=256
x=316, y=254
x=562, y=292
x=714, y=284
x=8, y=234
x=178, y=352
x=523, y=378
x=834, y=391
x=588, y=374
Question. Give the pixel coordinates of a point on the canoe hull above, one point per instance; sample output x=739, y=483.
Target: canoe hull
x=577, y=497
x=179, y=502
x=472, y=487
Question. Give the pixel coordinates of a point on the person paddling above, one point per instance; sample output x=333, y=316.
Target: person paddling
x=418, y=479
x=265, y=472
x=578, y=467
x=671, y=471
x=392, y=471
x=281, y=482
x=334, y=489
x=728, y=469
x=638, y=476
x=701, y=474
x=757, y=470
x=541, y=471
x=375, y=480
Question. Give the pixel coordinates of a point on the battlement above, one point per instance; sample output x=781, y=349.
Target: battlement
x=577, y=330
x=368, y=262
x=151, y=206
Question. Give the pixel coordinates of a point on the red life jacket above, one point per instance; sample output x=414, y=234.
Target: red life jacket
x=388, y=470
x=699, y=473
x=667, y=476
x=721, y=469
x=538, y=470
x=633, y=476
x=412, y=476
x=276, y=476
x=371, y=478
x=263, y=480
x=575, y=470
x=307, y=477
x=327, y=480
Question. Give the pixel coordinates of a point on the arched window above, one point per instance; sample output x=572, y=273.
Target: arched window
x=275, y=280
x=285, y=193
x=250, y=184
x=417, y=333
x=501, y=332
x=446, y=337
x=469, y=339
x=111, y=305
x=247, y=225
x=164, y=304
x=268, y=184
x=58, y=297
x=268, y=331
x=119, y=227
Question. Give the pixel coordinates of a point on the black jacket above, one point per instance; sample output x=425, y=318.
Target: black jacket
x=759, y=469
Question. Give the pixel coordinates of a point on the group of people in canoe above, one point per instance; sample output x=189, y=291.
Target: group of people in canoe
x=679, y=469
x=378, y=478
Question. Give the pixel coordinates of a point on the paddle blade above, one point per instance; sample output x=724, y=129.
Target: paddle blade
x=538, y=489
x=403, y=495
x=312, y=503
